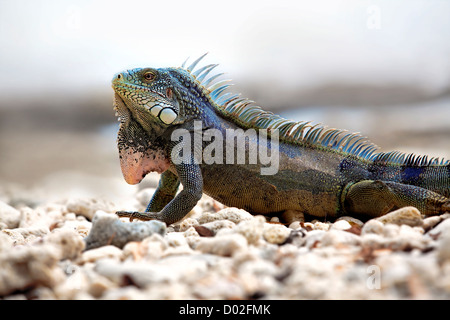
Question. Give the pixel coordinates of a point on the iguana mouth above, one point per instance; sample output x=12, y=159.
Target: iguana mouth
x=159, y=109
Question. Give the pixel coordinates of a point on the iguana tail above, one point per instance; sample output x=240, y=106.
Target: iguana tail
x=431, y=174
x=398, y=180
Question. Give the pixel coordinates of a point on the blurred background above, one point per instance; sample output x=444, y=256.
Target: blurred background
x=381, y=68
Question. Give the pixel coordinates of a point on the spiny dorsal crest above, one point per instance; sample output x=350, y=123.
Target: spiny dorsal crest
x=243, y=112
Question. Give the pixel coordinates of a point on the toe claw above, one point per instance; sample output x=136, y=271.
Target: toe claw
x=126, y=214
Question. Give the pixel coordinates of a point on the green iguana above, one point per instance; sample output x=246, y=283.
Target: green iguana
x=320, y=171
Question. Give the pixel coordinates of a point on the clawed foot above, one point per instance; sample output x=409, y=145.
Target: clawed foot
x=136, y=215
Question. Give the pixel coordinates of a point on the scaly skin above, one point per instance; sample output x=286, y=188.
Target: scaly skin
x=322, y=172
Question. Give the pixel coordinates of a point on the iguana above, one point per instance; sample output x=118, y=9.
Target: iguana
x=322, y=172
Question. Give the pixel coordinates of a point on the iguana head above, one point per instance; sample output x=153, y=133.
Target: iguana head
x=146, y=106
x=149, y=95
x=150, y=103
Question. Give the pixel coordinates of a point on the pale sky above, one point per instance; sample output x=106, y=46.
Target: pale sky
x=71, y=45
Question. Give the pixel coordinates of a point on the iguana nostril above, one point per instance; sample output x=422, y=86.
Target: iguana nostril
x=119, y=77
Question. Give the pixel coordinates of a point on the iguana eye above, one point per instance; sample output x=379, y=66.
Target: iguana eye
x=149, y=76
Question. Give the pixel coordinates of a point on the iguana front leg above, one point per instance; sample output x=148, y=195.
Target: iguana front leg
x=165, y=192
x=376, y=198
x=172, y=209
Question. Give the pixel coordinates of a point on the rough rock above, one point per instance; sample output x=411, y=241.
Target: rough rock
x=9, y=216
x=233, y=214
x=352, y=221
x=341, y=225
x=6, y=242
x=224, y=245
x=25, y=267
x=108, y=229
x=215, y=226
x=68, y=242
x=186, y=223
x=443, y=249
x=275, y=233
x=22, y=236
x=313, y=238
x=220, y=254
x=252, y=229
x=439, y=229
x=372, y=226
x=431, y=222
x=93, y=255
x=336, y=237
x=407, y=215
x=143, y=274
x=88, y=207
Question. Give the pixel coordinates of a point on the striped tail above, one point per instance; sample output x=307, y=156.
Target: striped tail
x=432, y=174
